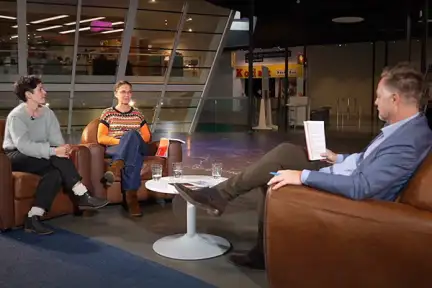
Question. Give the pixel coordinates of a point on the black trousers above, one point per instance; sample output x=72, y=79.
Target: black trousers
x=55, y=172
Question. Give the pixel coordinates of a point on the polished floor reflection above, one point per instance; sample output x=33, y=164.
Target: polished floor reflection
x=238, y=224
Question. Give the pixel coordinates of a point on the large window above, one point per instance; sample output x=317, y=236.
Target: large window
x=8, y=41
x=199, y=40
x=153, y=38
x=50, y=53
x=100, y=40
x=55, y=42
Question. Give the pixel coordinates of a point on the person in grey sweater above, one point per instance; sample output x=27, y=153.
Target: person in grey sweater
x=34, y=144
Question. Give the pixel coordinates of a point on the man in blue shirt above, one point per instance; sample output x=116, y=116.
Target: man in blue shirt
x=379, y=172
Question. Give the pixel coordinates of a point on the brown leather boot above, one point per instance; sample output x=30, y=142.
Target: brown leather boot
x=132, y=203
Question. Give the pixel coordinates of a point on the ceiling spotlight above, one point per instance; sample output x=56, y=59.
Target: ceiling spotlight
x=349, y=19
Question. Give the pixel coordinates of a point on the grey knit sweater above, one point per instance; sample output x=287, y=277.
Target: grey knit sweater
x=35, y=138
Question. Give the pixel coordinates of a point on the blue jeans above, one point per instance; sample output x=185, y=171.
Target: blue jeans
x=132, y=150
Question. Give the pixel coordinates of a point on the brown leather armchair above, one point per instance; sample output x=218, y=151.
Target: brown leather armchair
x=316, y=239
x=99, y=165
x=17, y=189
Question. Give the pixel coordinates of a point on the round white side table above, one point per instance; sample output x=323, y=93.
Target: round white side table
x=191, y=245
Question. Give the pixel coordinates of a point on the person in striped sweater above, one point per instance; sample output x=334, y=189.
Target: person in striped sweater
x=125, y=133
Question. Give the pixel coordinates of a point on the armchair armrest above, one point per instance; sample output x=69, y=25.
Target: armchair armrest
x=175, y=153
x=316, y=239
x=7, y=214
x=80, y=156
x=97, y=168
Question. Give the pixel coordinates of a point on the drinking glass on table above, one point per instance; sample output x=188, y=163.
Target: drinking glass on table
x=177, y=169
x=216, y=170
x=156, y=171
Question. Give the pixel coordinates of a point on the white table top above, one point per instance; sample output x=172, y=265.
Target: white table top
x=164, y=186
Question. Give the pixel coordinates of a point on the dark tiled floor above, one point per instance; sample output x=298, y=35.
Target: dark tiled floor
x=238, y=224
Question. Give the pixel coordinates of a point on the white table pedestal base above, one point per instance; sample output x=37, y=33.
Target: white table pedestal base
x=195, y=247
x=190, y=245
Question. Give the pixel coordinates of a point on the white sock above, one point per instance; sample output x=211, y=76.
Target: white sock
x=79, y=189
x=36, y=211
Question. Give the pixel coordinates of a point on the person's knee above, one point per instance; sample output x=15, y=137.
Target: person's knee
x=54, y=175
x=286, y=146
x=130, y=136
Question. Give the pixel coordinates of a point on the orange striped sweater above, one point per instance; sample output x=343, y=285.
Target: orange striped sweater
x=113, y=124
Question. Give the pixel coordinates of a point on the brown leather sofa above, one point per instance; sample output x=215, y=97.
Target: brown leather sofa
x=17, y=189
x=99, y=165
x=315, y=239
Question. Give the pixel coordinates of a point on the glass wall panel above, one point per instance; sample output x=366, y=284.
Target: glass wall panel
x=8, y=41
x=179, y=106
x=50, y=53
x=153, y=38
x=198, y=43
x=89, y=105
x=223, y=115
x=8, y=101
x=146, y=102
x=100, y=41
x=58, y=101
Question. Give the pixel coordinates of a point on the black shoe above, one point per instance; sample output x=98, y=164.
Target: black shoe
x=33, y=224
x=248, y=261
x=87, y=202
x=208, y=198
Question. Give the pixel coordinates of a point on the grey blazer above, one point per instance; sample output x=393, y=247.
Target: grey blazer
x=384, y=173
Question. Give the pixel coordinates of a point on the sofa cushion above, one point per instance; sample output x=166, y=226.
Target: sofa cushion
x=25, y=184
x=146, y=173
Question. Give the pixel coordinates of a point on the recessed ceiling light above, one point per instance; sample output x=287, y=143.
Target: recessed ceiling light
x=85, y=21
x=349, y=19
x=49, y=28
x=7, y=17
x=112, y=31
x=73, y=30
x=49, y=19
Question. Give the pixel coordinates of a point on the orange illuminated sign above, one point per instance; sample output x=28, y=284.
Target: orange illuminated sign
x=275, y=71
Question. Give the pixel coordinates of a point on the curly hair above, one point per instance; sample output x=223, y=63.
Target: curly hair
x=24, y=84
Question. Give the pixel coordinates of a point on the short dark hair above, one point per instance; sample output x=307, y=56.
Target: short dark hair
x=121, y=83
x=406, y=80
x=24, y=84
